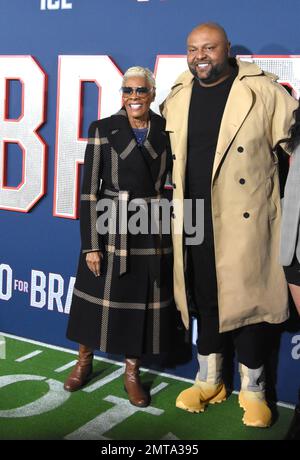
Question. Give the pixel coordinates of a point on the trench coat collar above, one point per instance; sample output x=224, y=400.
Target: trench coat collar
x=238, y=105
x=246, y=69
x=122, y=138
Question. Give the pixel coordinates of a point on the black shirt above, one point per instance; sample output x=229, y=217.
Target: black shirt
x=205, y=115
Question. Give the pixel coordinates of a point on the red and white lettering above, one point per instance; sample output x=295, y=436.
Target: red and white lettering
x=167, y=69
x=23, y=131
x=287, y=68
x=70, y=146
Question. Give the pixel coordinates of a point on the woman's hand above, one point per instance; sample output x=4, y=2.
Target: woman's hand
x=93, y=260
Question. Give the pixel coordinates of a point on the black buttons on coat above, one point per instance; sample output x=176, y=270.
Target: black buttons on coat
x=174, y=157
x=240, y=149
x=246, y=215
x=242, y=181
x=174, y=185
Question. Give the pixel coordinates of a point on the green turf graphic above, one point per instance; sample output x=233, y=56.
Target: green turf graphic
x=34, y=405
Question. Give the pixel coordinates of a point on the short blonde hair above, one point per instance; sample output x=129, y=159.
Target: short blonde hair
x=138, y=71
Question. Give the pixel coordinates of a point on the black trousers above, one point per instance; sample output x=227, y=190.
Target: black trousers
x=250, y=342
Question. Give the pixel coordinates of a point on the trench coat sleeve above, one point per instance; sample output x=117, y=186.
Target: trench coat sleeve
x=163, y=108
x=291, y=213
x=90, y=238
x=281, y=115
x=168, y=185
x=169, y=162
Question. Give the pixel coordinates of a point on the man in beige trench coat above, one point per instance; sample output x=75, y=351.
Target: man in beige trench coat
x=225, y=118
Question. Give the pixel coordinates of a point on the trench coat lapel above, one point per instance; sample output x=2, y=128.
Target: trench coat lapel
x=238, y=105
x=177, y=126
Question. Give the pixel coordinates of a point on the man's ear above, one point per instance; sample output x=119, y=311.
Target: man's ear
x=228, y=48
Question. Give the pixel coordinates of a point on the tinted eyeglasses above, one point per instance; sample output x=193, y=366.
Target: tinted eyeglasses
x=141, y=91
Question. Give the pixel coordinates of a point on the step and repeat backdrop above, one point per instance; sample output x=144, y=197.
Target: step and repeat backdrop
x=61, y=65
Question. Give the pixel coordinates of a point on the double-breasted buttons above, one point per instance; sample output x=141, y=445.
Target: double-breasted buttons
x=240, y=149
x=246, y=215
x=242, y=181
x=174, y=156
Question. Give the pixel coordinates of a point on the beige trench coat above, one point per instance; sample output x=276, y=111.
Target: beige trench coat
x=246, y=217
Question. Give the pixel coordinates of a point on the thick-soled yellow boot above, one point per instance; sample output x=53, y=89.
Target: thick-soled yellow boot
x=195, y=399
x=252, y=397
x=257, y=413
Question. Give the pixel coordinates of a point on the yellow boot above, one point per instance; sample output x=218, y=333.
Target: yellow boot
x=208, y=387
x=195, y=399
x=257, y=413
x=252, y=398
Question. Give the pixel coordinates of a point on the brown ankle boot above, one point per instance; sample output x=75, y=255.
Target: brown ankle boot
x=136, y=394
x=82, y=370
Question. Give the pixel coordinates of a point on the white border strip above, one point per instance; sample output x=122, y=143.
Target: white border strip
x=118, y=363
x=98, y=358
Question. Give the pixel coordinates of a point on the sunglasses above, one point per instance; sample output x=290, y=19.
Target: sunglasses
x=139, y=90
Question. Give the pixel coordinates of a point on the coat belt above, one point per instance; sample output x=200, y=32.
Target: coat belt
x=121, y=198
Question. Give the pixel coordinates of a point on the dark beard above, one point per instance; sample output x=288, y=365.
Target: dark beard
x=216, y=72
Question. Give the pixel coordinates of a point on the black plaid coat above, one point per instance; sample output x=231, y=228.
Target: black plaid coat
x=129, y=309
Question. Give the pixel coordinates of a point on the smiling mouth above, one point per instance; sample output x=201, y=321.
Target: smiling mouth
x=203, y=65
x=135, y=106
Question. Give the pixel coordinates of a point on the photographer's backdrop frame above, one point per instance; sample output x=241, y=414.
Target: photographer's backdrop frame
x=61, y=65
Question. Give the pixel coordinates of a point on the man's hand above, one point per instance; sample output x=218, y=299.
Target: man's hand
x=93, y=260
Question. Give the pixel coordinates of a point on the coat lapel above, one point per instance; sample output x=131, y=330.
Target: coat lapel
x=121, y=136
x=177, y=127
x=122, y=140
x=154, y=149
x=238, y=105
x=155, y=143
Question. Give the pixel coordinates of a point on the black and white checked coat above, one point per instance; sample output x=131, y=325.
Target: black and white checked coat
x=129, y=308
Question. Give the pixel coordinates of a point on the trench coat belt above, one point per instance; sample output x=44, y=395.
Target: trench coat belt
x=122, y=198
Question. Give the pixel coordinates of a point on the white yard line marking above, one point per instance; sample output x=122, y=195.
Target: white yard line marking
x=170, y=437
x=29, y=356
x=117, y=363
x=122, y=410
x=100, y=383
x=55, y=347
x=158, y=388
x=98, y=358
x=66, y=366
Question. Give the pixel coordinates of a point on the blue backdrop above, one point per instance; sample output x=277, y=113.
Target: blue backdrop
x=131, y=32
